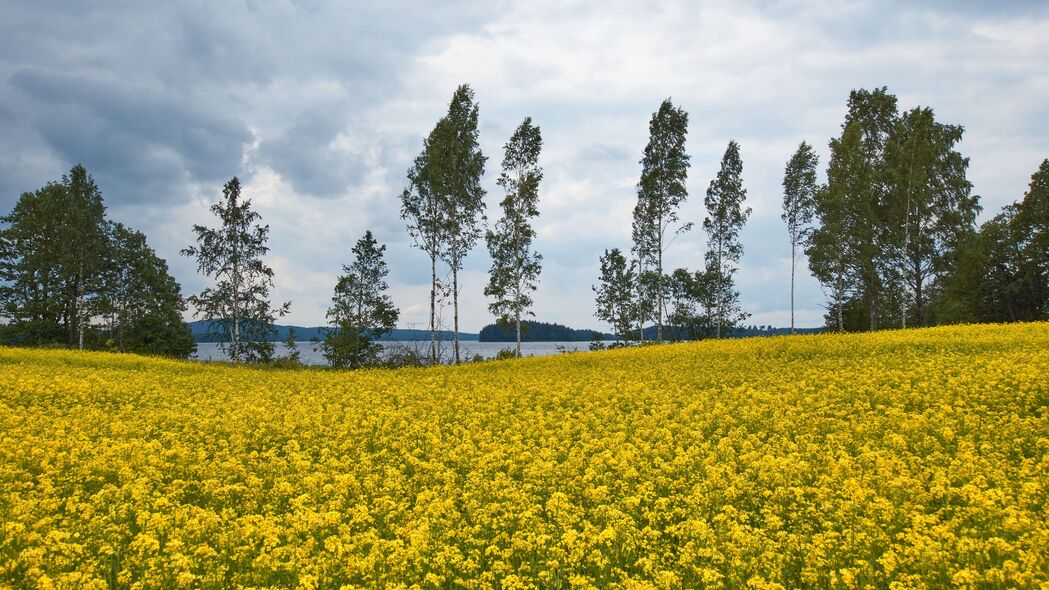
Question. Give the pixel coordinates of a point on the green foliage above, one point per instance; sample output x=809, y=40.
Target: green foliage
x=444, y=202
x=614, y=292
x=238, y=302
x=723, y=223
x=929, y=209
x=799, y=205
x=142, y=302
x=660, y=193
x=69, y=276
x=515, y=267
x=999, y=274
x=361, y=311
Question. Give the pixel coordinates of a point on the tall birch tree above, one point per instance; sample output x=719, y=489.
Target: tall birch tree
x=725, y=218
x=660, y=192
x=515, y=266
x=799, y=190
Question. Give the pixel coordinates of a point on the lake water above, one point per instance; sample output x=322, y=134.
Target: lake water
x=310, y=352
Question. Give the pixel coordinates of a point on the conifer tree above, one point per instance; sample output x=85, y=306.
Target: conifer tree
x=361, y=311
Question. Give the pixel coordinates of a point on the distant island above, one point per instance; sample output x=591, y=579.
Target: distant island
x=532, y=331
x=199, y=329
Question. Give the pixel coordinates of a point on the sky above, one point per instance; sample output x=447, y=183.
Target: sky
x=320, y=107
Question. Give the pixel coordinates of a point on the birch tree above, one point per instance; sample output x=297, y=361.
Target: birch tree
x=660, y=193
x=799, y=190
x=515, y=266
x=723, y=223
x=459, y=168
x=237, y=304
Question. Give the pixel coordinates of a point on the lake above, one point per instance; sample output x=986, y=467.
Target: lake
x=311, y=352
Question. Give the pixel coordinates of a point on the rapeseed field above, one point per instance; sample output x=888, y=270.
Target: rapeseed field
x=912, y=459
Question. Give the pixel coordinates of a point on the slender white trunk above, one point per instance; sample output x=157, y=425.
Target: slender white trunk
x=433, y=309
x=455, y=305
x=518, y=322
x=793, y=262
x=717, y=332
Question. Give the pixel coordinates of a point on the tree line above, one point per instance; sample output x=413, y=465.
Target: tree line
x=890, y=236
x=71, y=277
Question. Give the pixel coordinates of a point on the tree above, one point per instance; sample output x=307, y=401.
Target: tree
x=875, y=116
x=33, y=287
x=930, y=208
x=423, y=209
x=237, y=305
x=459, y=170
x=63, y=264
x=999, y=274
x=692, y=304
x=83, y=241
x=143, y=302
x=828, y=250
x=515, y=267
x=660, y=193
x=614, y=295
x=799, y=207
x=1032, y=221
x=361, y=311
x=725, y=218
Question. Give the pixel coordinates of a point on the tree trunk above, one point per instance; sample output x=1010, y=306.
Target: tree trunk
x=793, y=258
x=518, y=322
x=80, y=308
x=919, y=302
x=659, y=289
x=872, y=309
x=455, y=306
x=433, y=309
x=717, y=330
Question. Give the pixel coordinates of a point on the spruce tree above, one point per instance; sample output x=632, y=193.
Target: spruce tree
x=237, y=305
x=515, y=266
x=361, y=311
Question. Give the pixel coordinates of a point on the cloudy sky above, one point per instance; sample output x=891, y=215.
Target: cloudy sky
x=320, y=107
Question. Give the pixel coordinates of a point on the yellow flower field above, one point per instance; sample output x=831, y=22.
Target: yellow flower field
x=913, y=459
